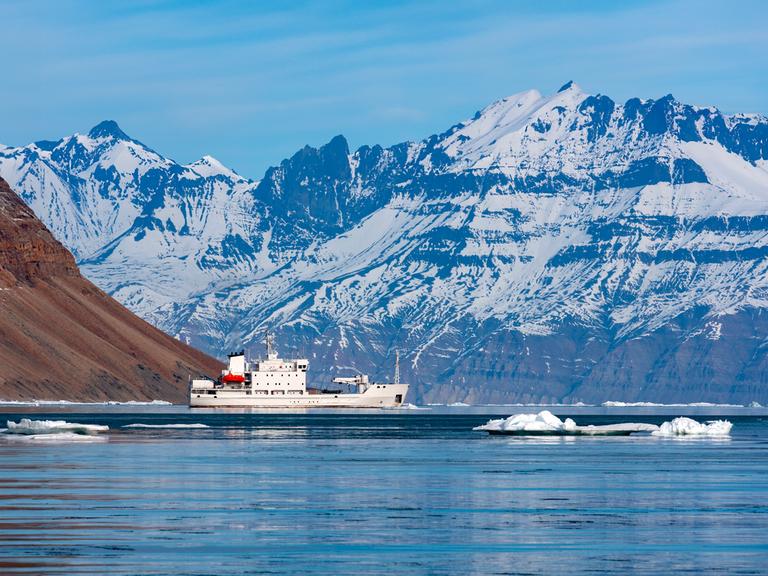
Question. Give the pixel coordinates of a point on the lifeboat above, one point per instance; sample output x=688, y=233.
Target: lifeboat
x=229, y=377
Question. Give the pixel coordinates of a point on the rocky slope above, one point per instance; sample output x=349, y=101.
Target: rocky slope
x=563, y=247
x=63, y=338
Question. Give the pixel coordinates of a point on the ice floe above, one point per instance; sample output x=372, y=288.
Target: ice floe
x=409, y=406
x=26, y=426
x=547, y=424
x=56, y=437
x=689, y=427
x=71, y=403
x=543, y=422
x=165, y=426
x=616, y=404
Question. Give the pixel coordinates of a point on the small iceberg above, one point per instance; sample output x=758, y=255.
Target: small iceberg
x=409, y=406
x=52, y=431
x=165, y=426
x=30, y=427
x=690, y=427
x=547, y=424
x=544, y=423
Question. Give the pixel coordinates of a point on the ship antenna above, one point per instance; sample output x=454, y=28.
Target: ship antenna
x=397, y=366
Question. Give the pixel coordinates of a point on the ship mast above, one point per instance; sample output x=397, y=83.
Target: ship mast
x=397, y=366
x=269, y=341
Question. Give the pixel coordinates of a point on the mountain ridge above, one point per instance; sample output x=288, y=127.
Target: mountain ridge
x=541, y=218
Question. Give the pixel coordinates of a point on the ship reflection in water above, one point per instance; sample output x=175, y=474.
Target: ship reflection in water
x=366, y=492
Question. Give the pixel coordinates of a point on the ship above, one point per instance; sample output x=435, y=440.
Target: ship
x=274, y=382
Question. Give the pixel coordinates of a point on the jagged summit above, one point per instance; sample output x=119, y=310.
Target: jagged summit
x=108, y=129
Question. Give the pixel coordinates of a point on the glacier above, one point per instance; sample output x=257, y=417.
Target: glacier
x=551, y=249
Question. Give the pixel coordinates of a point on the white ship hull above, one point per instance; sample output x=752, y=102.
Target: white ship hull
x=376, y=396
x=274, y=382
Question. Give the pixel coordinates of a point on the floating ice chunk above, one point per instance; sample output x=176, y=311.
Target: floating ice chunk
x=458, y=404
x=34, y=427
x=165, y=426
x=617, y=404
x=56, y=437
x=545, y=423
x=409, y=406
x=689, y=427
x=72, y=403
x=623, y=429
x=755, y=404
x=142, y=403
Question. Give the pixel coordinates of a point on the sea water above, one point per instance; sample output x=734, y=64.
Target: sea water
x=400, y=492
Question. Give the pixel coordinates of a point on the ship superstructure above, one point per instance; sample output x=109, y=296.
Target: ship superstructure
x=275, y=382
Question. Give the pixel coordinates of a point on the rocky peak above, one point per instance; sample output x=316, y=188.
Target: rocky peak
x=108, y=129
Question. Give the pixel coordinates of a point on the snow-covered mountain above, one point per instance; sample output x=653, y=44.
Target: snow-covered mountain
x=144, y=227
x=561, y=248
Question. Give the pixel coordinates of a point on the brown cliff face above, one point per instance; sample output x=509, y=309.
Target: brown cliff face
x=63, y=338
x=28, y=251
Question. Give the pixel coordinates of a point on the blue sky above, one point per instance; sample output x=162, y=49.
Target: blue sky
x=252, y=82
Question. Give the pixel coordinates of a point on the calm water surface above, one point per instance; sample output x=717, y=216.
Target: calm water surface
x=397, y=493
